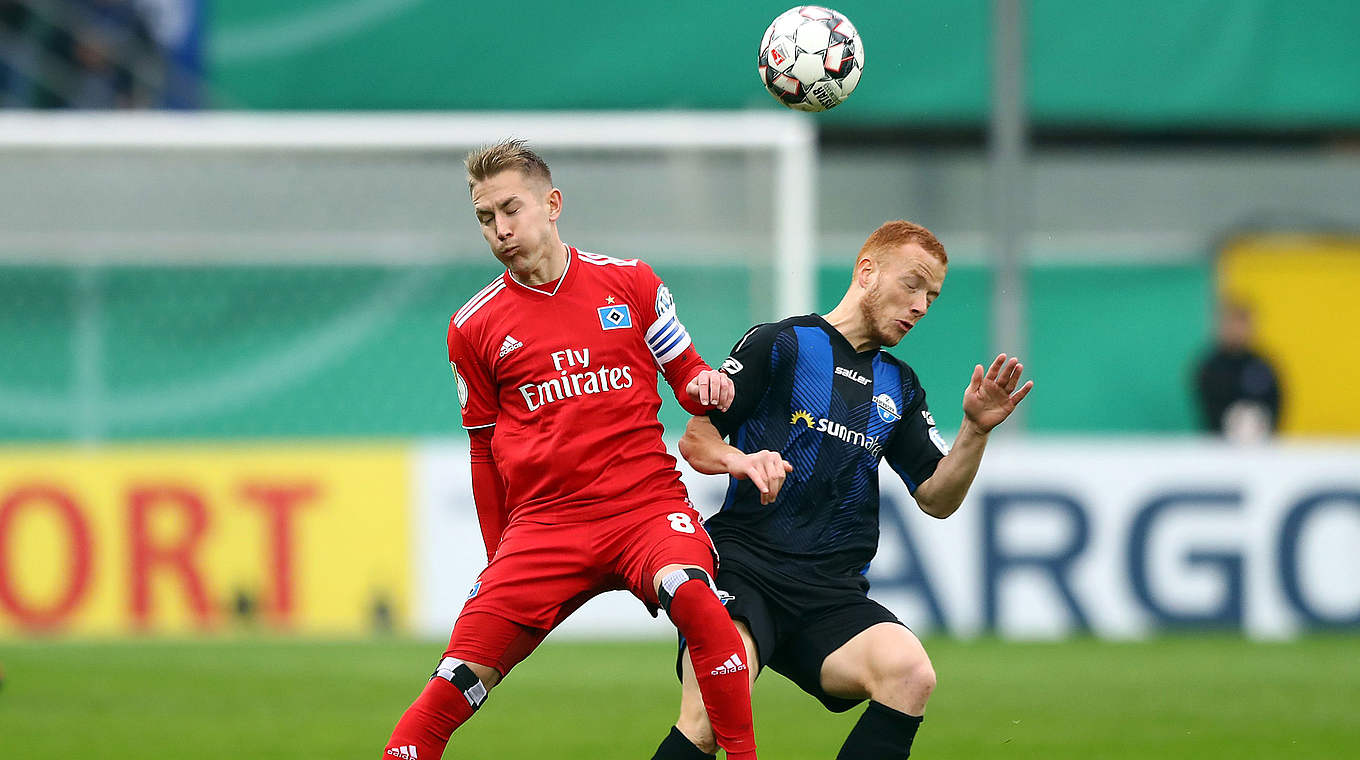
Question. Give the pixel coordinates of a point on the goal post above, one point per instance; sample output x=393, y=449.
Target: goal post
x=98, y=202
x=790, y=139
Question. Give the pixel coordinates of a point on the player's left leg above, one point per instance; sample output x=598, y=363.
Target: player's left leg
x=667, y=560
x=886, y=664
x=692, y=738
x=718, y=654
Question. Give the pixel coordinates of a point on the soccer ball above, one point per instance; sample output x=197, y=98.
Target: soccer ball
x=810, y=58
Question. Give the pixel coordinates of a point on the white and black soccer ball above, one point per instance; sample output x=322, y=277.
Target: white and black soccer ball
x=810, y=58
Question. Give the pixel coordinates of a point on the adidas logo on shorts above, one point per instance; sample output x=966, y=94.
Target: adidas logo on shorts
x=732, y=665
x=408, y=751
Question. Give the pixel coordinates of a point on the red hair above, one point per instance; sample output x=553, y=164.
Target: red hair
x=897, y=233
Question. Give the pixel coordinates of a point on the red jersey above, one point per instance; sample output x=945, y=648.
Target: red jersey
x=567, y=374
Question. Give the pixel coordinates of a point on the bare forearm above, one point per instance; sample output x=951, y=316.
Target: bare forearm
x=943, y=492
x=705, y=450
x=990, y=398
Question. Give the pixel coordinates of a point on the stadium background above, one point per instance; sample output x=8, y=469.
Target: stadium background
x=228, y=431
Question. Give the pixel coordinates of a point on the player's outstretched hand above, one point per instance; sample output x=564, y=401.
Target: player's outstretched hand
x=712, y=388
x=991, y=396
x=765, y=469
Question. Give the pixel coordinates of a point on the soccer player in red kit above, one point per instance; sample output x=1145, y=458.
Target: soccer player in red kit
x=556, y=365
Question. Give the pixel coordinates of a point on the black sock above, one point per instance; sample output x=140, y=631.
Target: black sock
x=676, y=747
x=881, y=733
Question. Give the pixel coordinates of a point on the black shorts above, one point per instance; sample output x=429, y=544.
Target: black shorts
x=796, y=624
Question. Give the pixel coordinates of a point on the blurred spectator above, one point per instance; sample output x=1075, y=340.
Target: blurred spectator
x=79, y=54
x=14, y=20
x=177, y=26
x=1237, y=388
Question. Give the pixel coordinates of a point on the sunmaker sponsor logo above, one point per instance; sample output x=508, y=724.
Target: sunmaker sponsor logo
x=837, y=430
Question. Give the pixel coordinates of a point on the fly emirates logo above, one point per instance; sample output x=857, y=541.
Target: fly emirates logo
x=575, y=378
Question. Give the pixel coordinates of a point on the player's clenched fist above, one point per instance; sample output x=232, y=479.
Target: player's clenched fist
x=765, y=469
x=712, y=388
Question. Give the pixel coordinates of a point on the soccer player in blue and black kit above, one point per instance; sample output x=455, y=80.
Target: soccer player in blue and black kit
x=818, y=405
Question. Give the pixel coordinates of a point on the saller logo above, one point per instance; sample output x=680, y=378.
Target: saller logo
x=853, y=375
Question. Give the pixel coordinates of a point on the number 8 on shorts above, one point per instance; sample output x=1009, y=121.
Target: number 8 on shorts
x=680, y=522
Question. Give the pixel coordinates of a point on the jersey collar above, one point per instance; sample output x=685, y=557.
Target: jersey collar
x=561, y=281
x=838, y=338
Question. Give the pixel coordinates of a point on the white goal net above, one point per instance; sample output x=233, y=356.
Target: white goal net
x=120, y=229
x=687, y=188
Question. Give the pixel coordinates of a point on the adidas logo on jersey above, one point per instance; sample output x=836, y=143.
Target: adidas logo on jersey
x=407, y=751
x=732, y=665
x=510, y=344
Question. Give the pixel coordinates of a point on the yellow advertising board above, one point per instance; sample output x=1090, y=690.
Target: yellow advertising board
x=186, y=539
x=1304, y=292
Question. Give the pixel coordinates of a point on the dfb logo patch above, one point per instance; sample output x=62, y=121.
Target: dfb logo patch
x=664, y=300
x=462, y=386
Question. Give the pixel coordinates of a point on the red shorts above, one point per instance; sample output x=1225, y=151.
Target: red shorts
x=544, y=572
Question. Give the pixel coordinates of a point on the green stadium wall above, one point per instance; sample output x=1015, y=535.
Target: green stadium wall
x=151, y=353
x=1152, y=64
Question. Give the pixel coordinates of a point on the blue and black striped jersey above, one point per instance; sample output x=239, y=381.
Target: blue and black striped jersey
x=833, y=413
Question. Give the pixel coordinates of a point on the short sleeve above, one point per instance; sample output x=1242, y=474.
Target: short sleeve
x=477, y=396
x=916, y=446
x=749, y=367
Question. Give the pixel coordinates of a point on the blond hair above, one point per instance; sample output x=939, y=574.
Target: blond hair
x=897, y=233
x=504, y=156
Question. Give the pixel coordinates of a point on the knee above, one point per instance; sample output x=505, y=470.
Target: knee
x=669, y=586
x=903, y=677
x=921, y=679
x=474, y=680
x=488, y=675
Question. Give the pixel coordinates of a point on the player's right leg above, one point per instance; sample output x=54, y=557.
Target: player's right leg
x=482, y=648
x=540, y=574
x=886, y=664
x=692, y=736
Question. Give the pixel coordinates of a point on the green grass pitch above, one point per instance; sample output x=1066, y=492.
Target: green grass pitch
x=1183, y=697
